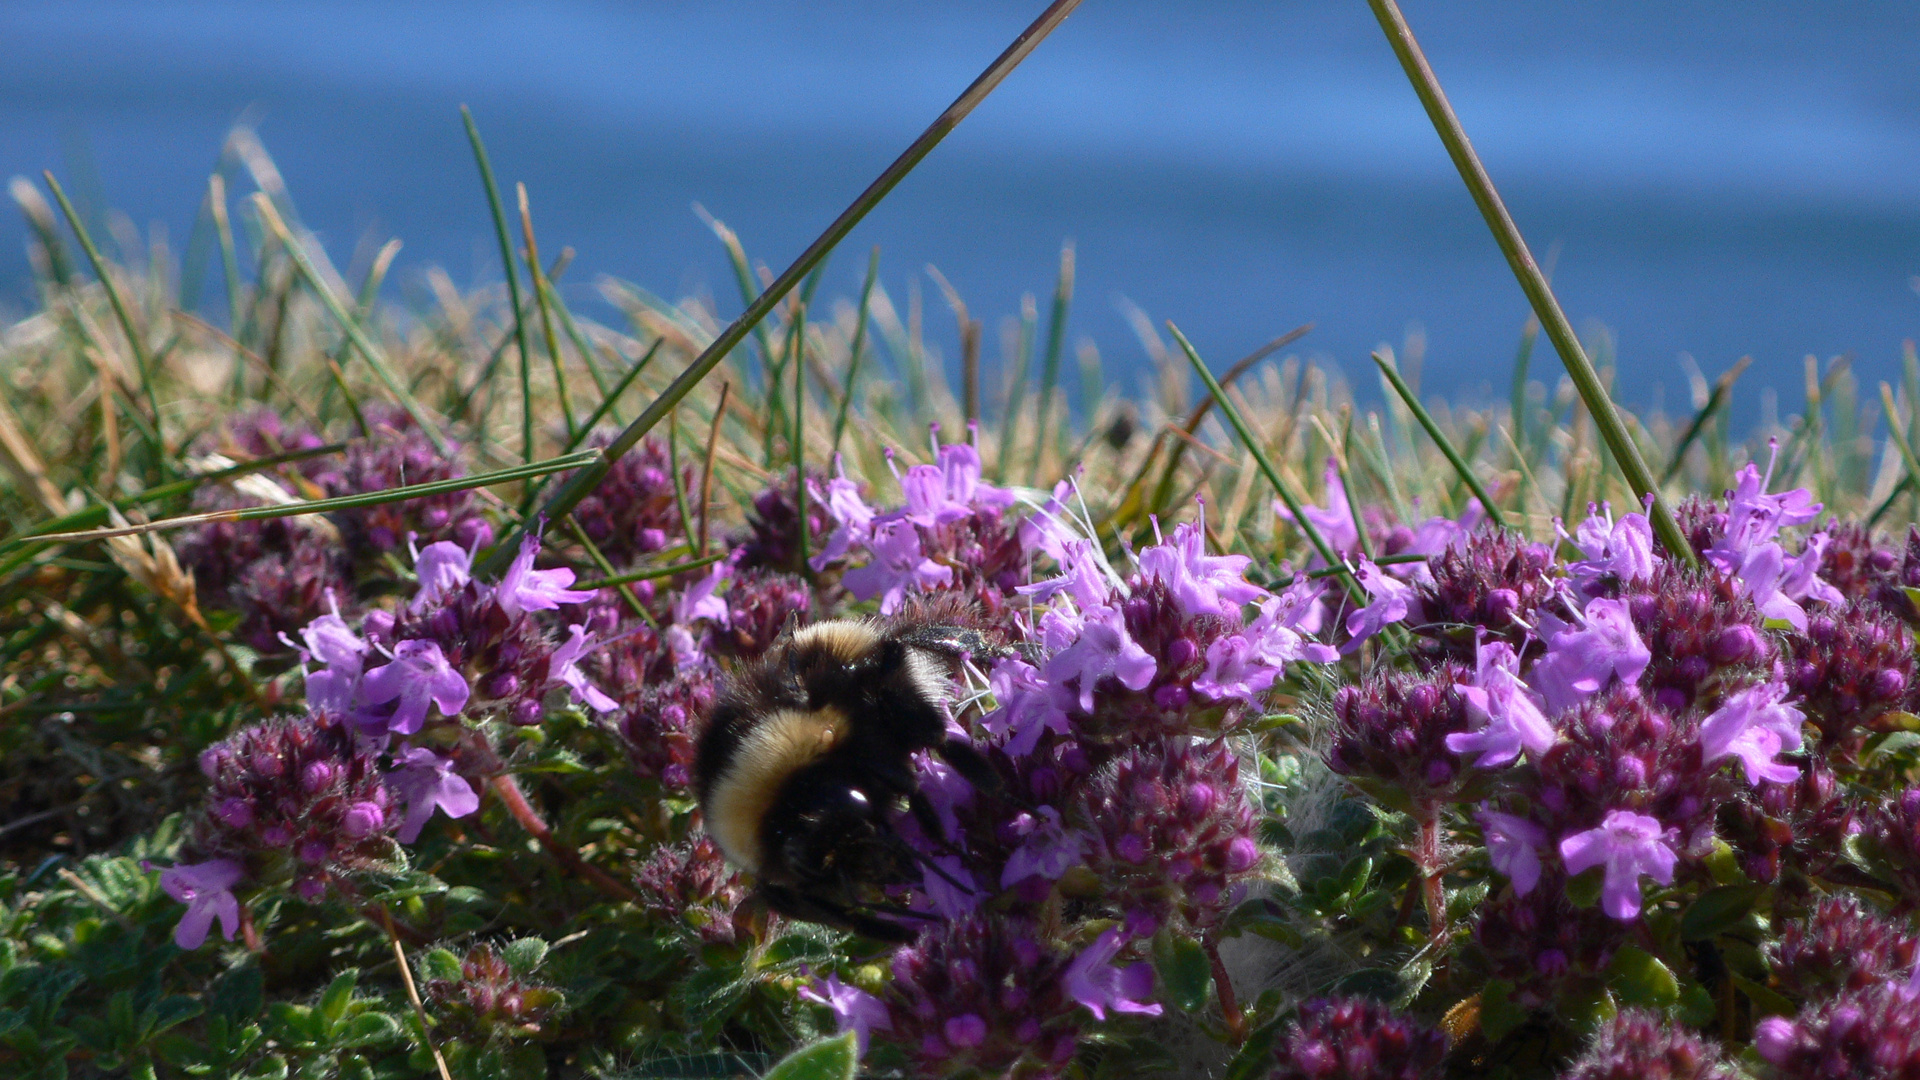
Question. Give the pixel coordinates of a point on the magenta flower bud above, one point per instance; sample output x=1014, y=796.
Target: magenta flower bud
x=1182, y=651
x=1027, y=1031
x=501, y=684
x=312, y=852
x=318, y=776
x=512, y=1004
x=1206, y=893
x=1141, y=923
x=1888, y=683
x=965, y=1030
x=234, y=813
x=528, y=713
x=652, y=539
x=1199, y=800
x=311, y=887
x=267, y=764
x=473, y=533
x=378, y=623
x=276, y=836
x=211, y=759
x=1552, y=963
x=1242, y=853
x=1132, y=847
x=1735, y=644
x=363, y=820
x=1501, y=606
x=1773, y=1039
x=1171, y=697
x=1439, y=773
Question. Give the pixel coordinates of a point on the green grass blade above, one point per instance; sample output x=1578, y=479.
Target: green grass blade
x=853, y=353
x=1517, y=395
x=325, y=506
x=142, y=359
x=540, y=292
x=513, y=279
x=1439, y=438
x=574, y=490
x=606, y=404
x=1050, y=366
x=348, y=324
x=651, y=575
x=1287, y=496
x=1546, y=307
x=1716, y=401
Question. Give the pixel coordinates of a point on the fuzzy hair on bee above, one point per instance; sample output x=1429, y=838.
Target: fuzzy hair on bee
x=806, y=757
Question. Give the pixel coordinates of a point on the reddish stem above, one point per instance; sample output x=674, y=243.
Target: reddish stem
x=1223, y=986
x=1432, y=893
x=523, y=812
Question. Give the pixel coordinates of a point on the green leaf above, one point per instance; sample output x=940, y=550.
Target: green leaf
x=338, y=995
x=831, y=1059
x=1255, y=1058
x=1641, y=979
x=1499, y=1013
x=238, y=994
x=1894, y=744
x=271, y=1067
x=1583, y=890
x=1185, y=974
x=525, y=954
x=171, y=1010
x=441, y=964
x=1719, y=910
x=371, y=1028
x=1379, y=984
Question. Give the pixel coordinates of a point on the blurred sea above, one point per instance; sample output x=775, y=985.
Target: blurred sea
x=1716, y=178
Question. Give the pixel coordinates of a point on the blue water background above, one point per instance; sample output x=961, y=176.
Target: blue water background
x=1717, y=178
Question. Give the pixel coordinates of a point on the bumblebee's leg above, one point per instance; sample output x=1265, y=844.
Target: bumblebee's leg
x=795, y=904
x=968, y=761
x=955, y=641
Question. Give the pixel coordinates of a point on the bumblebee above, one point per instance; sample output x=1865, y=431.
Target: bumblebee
x=806, y=758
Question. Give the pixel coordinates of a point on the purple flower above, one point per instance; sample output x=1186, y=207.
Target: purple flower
x=946, y=791
x=1085, y=578
x=1389, y=604
x=1049, y=529
x=207, y=890
x=1335, y=523
x=853, y=518
x=1508, y=714
x=1754, y=725
x=418, y=674
x=1093, y=981
x=426, y=780
x=443, y=567
x=948, y=887
x=853, y=1008
x=1201, y=584
x=697, y=601
x=522, y=588
x=1628, y=845
x=1026, y=707
x=329, y=640
x=1580, y=661
x=565, y=668
x=1235, y=670
x=1760, y=576
x=1102, y=647
x=898, y=565
x=1513, y=844
x=1619, y=550
x=1048, y=850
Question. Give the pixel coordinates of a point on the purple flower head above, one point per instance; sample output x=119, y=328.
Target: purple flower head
x=522, y=588
x=1389, y=603
x=852, y=517
x=1617, y=552
x=697, y=601
x=1851, y=667
x=898, y=564
x=1393, y=730
x=1201, y=584
x=442, y=567
x=1870, y=1032
x=425, y=780
x=854, y=1009
x=1843, y=944
x=1102, y=648
x=1514, y=845
x=1335, y=523
x=1627, y=845
x=1048, y=848
x=1094, y=981
x=1507, y=713
x=565, y=668
x=418, y=674
x=1754, y=725
x=1026, y=707
x=981, y=994
x=1581, y=660
x=1640, y=1045
x=1355, y=1038
x=207, y=890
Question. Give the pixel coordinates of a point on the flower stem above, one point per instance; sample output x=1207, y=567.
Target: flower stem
x=1223, y=986
x=523, y=812
x=413, y=992
x=1432, y=892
